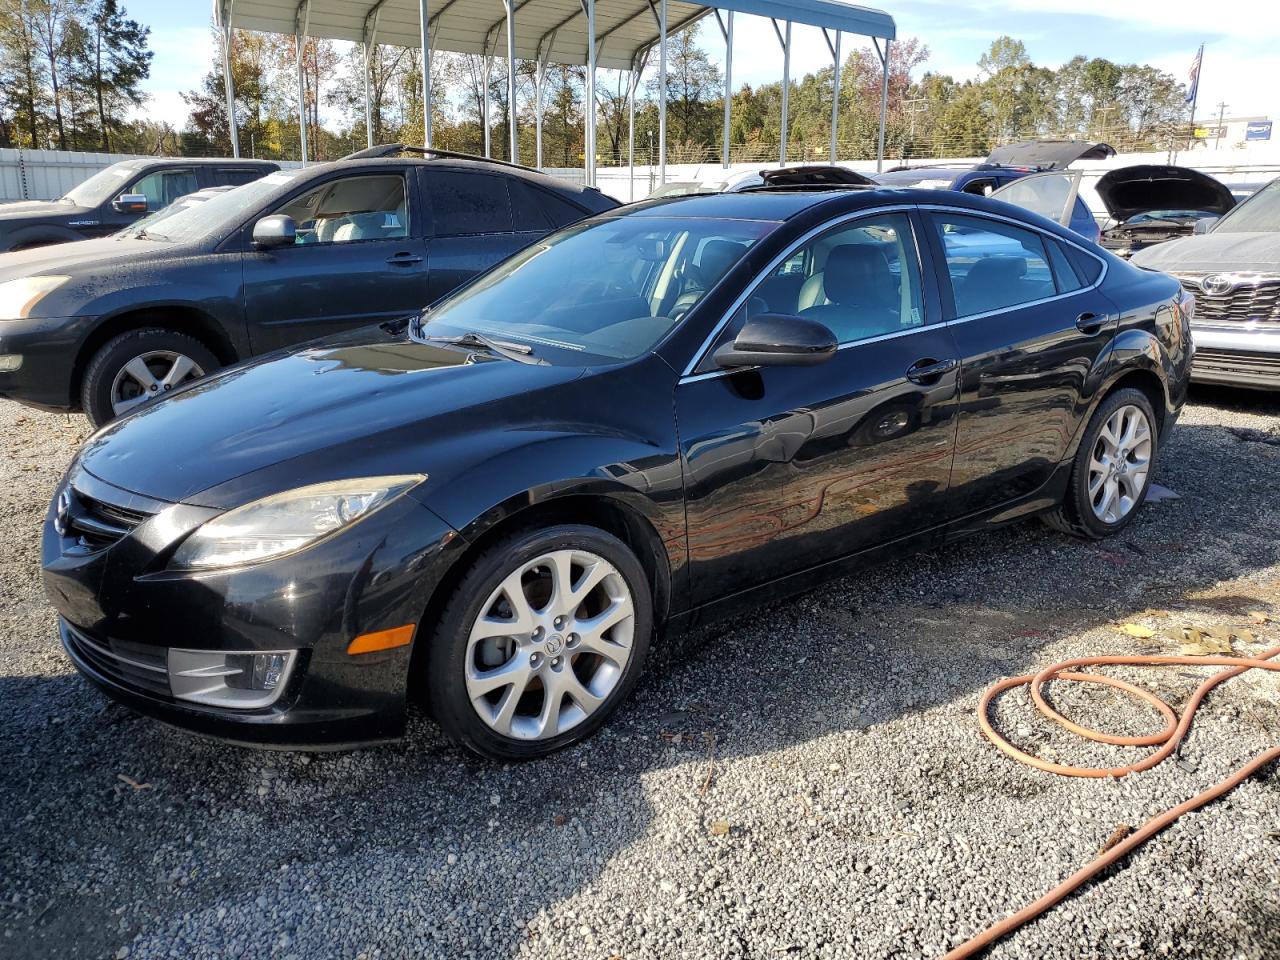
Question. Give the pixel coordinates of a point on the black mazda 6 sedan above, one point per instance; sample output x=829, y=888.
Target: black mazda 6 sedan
x=633, y=425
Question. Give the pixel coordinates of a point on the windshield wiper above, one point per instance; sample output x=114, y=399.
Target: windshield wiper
x=520, y=352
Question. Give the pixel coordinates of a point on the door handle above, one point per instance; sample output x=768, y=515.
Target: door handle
x=406, y=258
x=929, y=371
x=1090, y=323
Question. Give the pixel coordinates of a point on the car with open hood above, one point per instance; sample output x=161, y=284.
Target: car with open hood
x=117, y=196
x=1152, y=203
x=1233, y=272
x=106, y=325
x=647, y=420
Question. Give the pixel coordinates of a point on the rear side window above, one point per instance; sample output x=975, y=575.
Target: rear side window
x=526, y=213
x=1063, y=270
x=468, y=204
x=1089, y=268
x=993, y=265
x=235, y=177
x=560, y=211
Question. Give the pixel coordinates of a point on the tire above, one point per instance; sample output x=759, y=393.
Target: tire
x=544, y=656
x=110, y=390
x=1085, y=515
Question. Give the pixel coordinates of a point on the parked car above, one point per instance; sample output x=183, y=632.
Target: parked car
x=182, y=203
x=1152, y=203
x=1233, y=272
x=505, y=502
x=802, y=175
x=113, y=198
x=110, y=324
x=1005, y=166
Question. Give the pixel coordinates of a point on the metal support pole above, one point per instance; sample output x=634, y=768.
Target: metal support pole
x=662, y=92
x=425, y=26
x=484, y=110
x=785, y=40
x=884, y=102
x=637, y=69
x=370, y=41
x=300, y=23
x=228, y=82
x=727, y=29
x=512, y=136
x=589, y=160
x=835, y=90
x=539, y=74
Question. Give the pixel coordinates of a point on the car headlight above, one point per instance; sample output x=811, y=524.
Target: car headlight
x=286, y=522
x=18, y=298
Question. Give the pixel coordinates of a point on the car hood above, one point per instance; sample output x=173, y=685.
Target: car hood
x=1049, y=154
x=356, y=405
x=90, y=256
x=1129, y=191
x=27, y=209
x=1213, y=253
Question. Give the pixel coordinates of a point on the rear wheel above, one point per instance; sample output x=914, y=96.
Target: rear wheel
x=138, y=367
x=1112, y=469
x=541, y=642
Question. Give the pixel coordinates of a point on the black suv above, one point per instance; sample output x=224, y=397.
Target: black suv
x=113, y=198
x=109, y=324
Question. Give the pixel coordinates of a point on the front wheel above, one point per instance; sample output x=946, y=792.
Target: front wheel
x=541, y=642
x=138, y=367
x=1112, y=469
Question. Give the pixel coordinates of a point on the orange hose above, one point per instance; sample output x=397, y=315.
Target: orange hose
x=1174, y=731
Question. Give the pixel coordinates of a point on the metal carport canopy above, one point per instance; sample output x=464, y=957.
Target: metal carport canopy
x=543, y=31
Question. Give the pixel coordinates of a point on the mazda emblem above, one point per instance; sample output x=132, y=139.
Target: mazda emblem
x=62, y=513
x=1217, y=284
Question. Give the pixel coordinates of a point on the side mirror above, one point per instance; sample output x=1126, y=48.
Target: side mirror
x=277, y=230
x=778, y=340
x=130, y=203
x=1204, y=225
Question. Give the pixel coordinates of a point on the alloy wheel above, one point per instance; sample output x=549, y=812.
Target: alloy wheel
x=550, y=644
x=150, y=375
x=1120, y=463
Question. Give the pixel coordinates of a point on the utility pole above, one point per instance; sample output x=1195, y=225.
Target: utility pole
x=1222, y=112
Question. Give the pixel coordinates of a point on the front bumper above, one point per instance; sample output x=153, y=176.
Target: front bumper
x=48, y=348
x=120, y=610
x=1238, y=358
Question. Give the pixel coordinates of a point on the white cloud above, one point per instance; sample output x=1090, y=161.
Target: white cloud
x=182, y=57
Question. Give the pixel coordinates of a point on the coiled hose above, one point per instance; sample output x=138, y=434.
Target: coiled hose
x=1174, y=731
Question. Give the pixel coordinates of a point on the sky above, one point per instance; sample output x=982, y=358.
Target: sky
x=1241, y=60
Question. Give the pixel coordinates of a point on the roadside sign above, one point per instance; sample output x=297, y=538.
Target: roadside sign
x=1258, y=130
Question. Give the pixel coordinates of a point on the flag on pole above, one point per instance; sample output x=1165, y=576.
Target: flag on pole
x=1193, y=75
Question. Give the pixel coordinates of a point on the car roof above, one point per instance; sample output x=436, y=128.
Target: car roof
x=199, y=161
x=783, y=203
x=480, y=166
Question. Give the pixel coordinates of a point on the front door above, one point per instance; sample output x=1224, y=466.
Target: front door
x=790, y=467
x=359, y=258
x=1032, y=329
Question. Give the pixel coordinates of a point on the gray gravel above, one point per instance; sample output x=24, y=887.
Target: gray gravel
x=866, y=815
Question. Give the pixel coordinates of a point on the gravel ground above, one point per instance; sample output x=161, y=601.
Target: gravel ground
x=811, y=782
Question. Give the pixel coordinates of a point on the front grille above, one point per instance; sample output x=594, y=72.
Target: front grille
x=128, y=664
x=1229, y=366
x=1254, y=298
x=94, y=523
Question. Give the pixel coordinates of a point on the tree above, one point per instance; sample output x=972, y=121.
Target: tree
x=59, y=36
x=694, y=87
x=23, y=76
x=113, y=64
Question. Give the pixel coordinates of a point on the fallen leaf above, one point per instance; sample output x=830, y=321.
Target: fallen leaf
x=1259, y=616
x=558, y=820
x=132, y=782
x=1206, y=643
x=719, y=828
x=1118, y=834
x=1137, y=630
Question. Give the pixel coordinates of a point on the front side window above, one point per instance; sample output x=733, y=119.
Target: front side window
x=861, y=281
x=163, y=187
x=351, y=210
x=601, y=291
x=993, y=265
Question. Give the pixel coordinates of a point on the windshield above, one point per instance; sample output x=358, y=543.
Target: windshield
x=1259, y=214
x=599, y=291
x=102, y=186
x=218, y=213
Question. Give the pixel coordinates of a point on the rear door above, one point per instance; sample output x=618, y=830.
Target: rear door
x=359, y=258
x=471, y=225
x=1032, y=329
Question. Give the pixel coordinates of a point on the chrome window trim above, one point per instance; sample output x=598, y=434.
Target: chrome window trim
x=983, y=214
x=689, y=376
